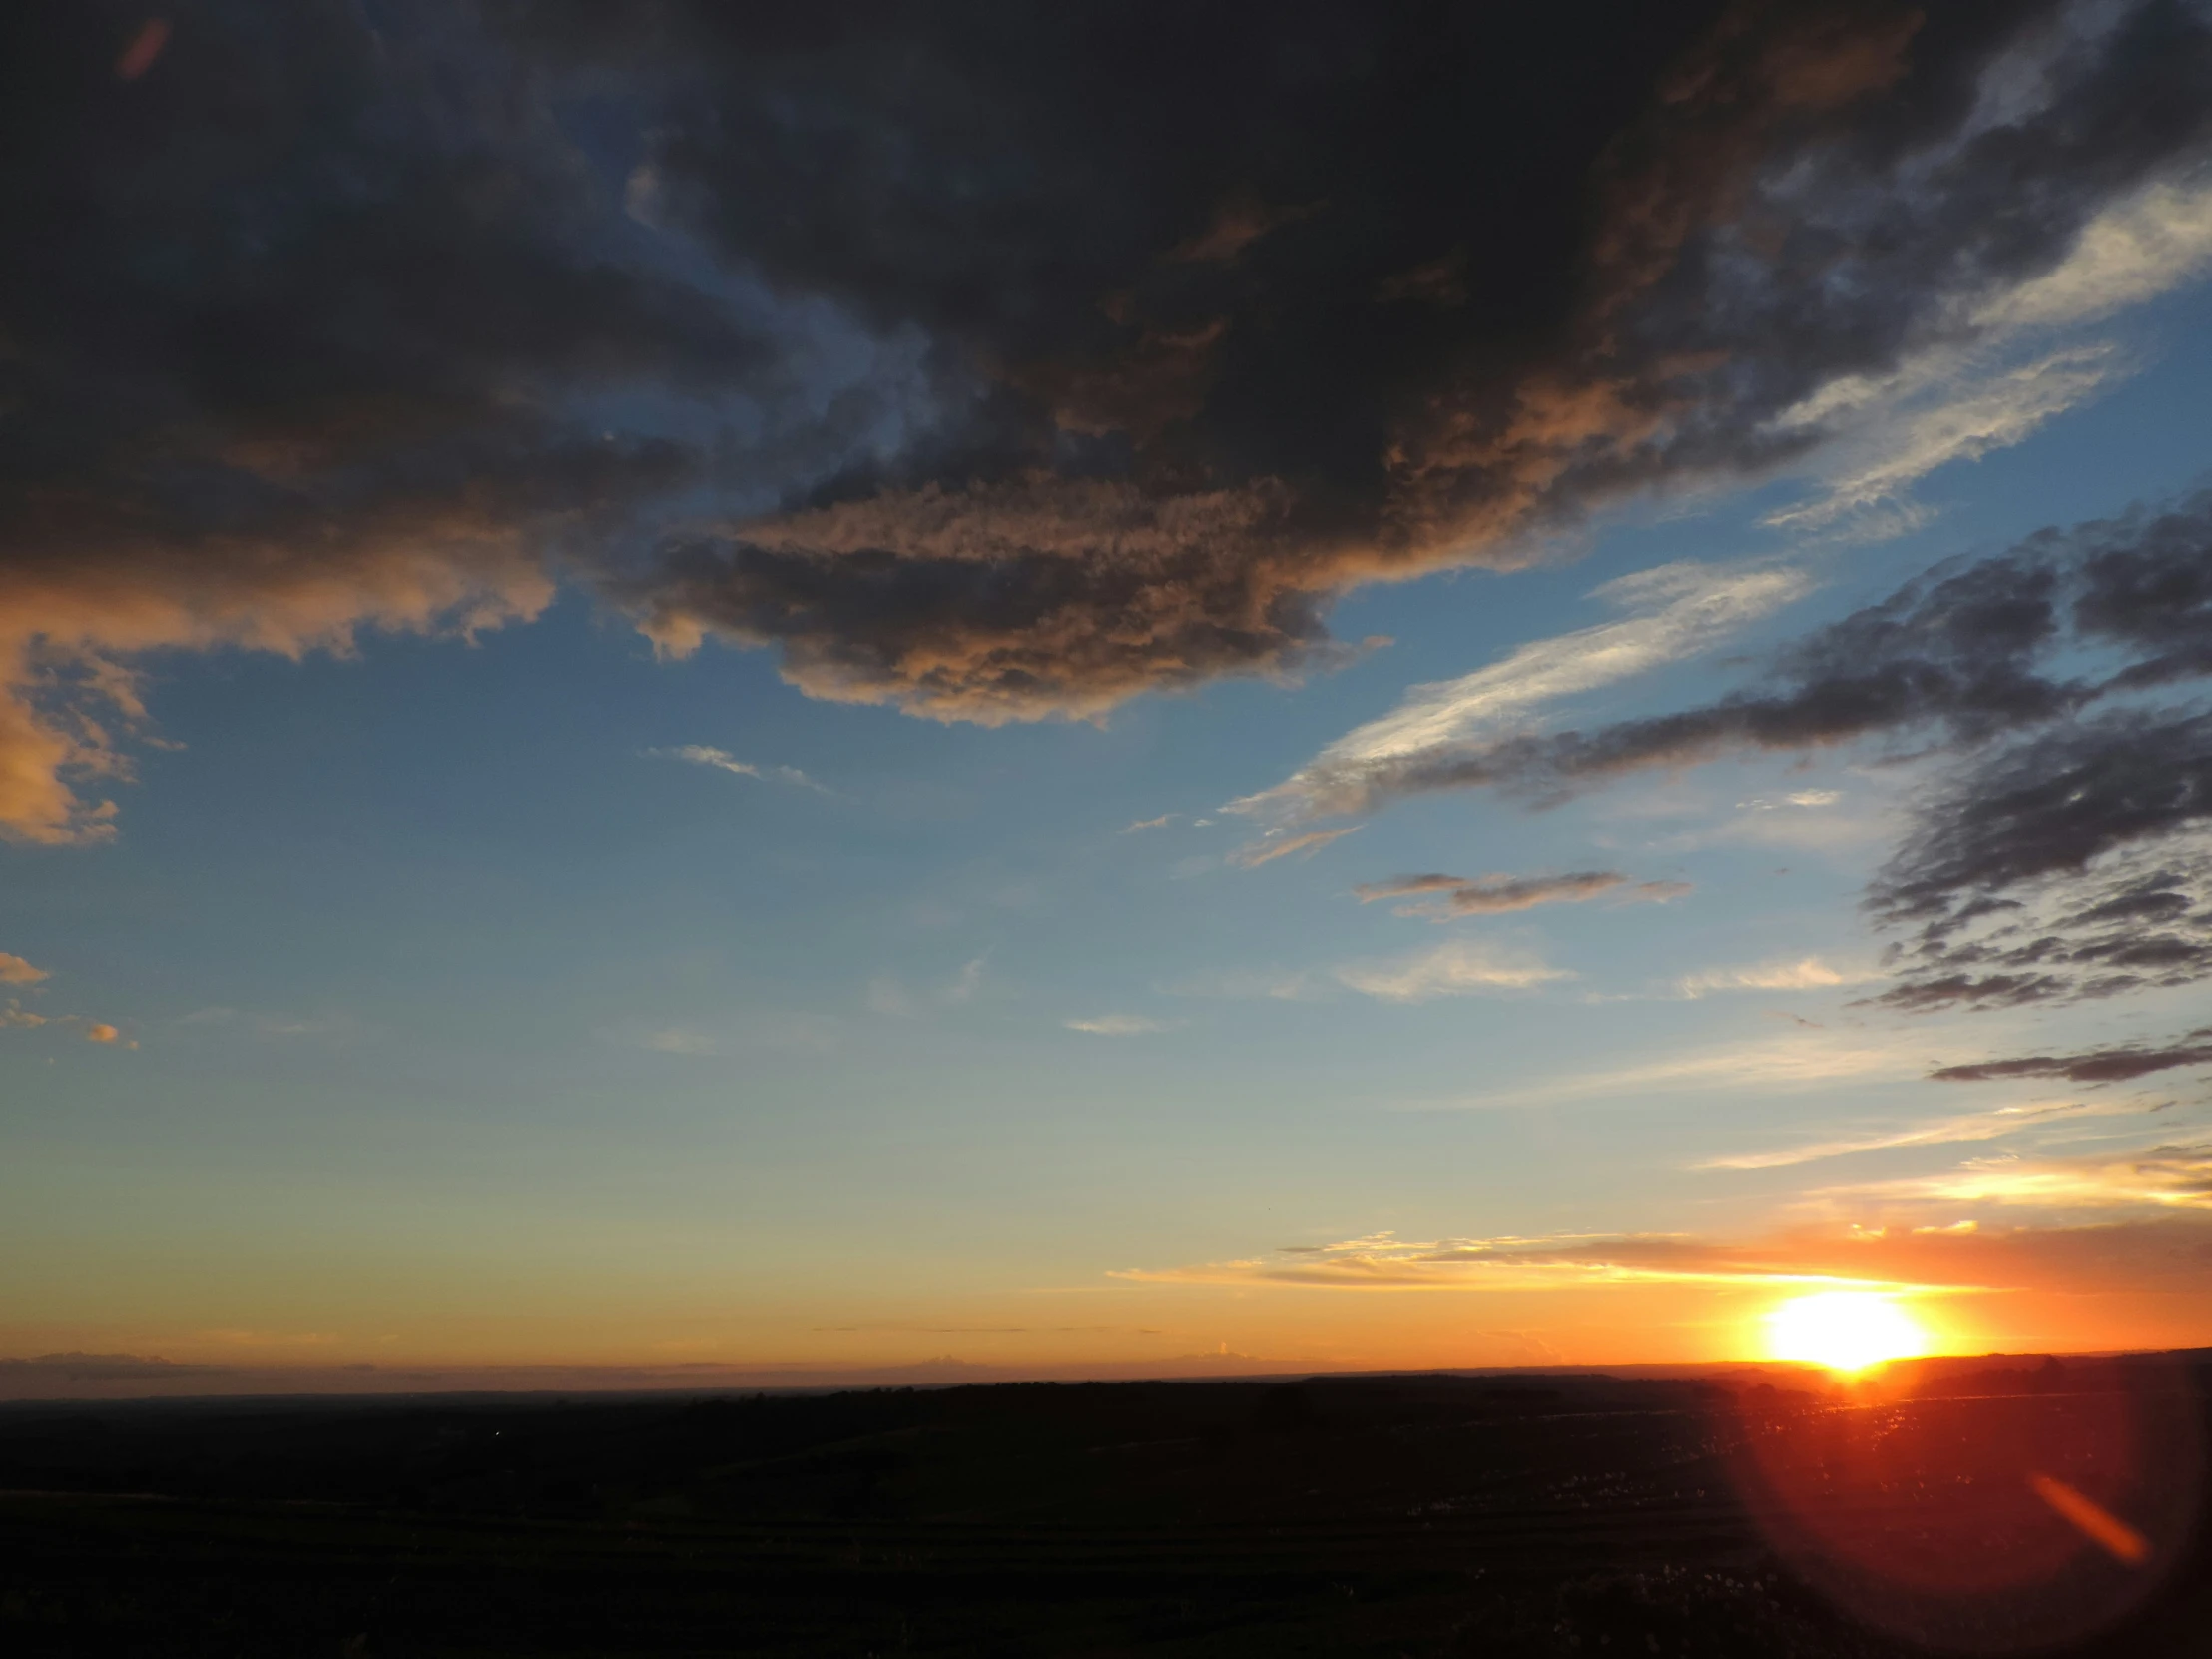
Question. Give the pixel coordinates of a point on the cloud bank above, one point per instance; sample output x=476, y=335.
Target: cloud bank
x=996, y=368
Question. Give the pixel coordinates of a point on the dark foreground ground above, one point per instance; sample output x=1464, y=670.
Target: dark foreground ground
x=1418, y=1516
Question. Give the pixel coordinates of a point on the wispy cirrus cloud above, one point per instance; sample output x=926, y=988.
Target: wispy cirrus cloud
x=1458, y=967
x=1813, y=821
x=1675, y=611
x=1486, y=895
x=2148, y=243
x=1796, y=798
x=1276, y=843
x=967, y=981
x=1249, y=985
x=2132, y=1249
x=1384, y=1262
x=1119, y=1025
x=1805, y=973
x=704, y=755
x=2164, y=1177
x=1804, y=1058
x=1958, y=411
x=2000, y=1124
x=271, y=1025
x=1995, y=376
x=676, y=1040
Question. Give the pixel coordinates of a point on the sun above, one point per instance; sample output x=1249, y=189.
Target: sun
x=1844, y=1329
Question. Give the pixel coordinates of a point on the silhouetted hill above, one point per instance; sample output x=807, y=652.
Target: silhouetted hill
x=1422, y=1515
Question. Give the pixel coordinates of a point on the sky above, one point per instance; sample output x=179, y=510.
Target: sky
x=867, y=692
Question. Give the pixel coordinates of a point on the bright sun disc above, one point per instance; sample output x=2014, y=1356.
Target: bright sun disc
x=1844, y=1329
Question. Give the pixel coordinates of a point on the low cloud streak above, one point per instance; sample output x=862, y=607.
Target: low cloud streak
x=2103, y=1065
x=1458, y=967
x=1502, y=894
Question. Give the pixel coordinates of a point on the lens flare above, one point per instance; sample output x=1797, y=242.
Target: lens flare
x=1844, y=1329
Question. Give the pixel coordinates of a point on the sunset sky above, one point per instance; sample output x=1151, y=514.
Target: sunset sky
x=1100, y=690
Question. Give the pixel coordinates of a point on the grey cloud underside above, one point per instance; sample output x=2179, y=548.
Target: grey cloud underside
x=2066, y=856
x=1265, y=256
x=1501, y=894
x=292, y=273
x=2105, y=1065
x=993, y=362
x=2071, y=866
x=1957, y=651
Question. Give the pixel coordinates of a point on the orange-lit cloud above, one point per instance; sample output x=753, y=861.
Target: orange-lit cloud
x=2158, y=1177
x=71, y=623
x=1271, y=848
x=14, y=970
x=2118, y=1284
x=14, y=1016
x=1383, y=1262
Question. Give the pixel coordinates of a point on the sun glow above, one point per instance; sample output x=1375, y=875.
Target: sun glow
x=1844, y=1329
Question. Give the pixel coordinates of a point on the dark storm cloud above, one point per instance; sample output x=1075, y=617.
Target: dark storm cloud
x=2105, y=1065
x=298, y=333
x=993, y=362
x=1378, y=291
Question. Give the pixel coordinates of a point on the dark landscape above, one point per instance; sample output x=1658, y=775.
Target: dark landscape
x=1754, y=1512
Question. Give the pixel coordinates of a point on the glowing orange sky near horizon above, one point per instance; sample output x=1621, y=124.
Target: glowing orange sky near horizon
x=1071, y=1330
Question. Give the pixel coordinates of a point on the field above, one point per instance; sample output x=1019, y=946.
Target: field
x=1762, y=1514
